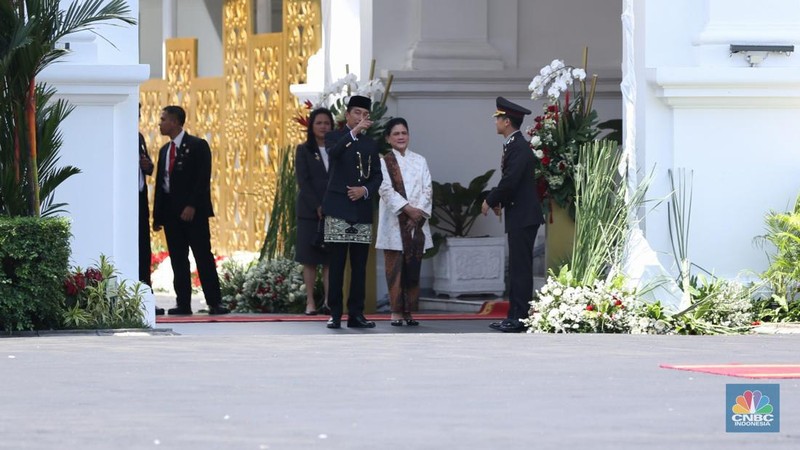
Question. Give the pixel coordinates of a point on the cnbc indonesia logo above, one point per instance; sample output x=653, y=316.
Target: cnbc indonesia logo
x=752, y=409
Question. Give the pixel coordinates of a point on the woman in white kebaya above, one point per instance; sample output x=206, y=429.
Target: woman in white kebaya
x=403, y=231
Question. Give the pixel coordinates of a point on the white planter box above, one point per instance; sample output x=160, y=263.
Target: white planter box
x=470, y=266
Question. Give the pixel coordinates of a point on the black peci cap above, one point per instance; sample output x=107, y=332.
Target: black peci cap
x=359, y=101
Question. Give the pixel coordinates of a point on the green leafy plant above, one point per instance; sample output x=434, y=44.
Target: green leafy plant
x=282, y=225
x=29, y=31
x=455, y=207
x=776, y=308
x=783, y=232
x=96, y=298
x=604, y=211
x=34, y=259
x=15, y=196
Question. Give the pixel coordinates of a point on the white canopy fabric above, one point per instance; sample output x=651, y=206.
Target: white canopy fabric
x=640, y=264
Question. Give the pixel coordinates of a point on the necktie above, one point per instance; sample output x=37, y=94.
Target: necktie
x=171, y=156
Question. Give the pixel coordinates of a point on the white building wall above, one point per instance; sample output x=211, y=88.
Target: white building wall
x=705, y=110
x=449, y=108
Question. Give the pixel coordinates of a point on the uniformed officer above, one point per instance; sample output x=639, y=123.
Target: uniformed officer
x=516, y=194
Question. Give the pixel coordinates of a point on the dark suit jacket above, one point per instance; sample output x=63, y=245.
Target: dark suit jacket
x=312, y=180
x=190, y=181
x=143, y=151
x=348, y=169
x=516, y=191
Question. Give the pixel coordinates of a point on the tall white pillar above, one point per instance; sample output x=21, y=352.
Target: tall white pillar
x=101, y=80
x=169, y=28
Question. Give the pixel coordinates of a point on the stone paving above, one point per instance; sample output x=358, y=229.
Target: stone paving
x=449, y=384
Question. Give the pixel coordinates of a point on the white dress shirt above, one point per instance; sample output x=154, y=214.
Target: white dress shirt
x=178, y=139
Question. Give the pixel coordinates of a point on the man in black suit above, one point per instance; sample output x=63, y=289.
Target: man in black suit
x=355, y=176
x=145, y=169
x=182, y=207
x=516, y=194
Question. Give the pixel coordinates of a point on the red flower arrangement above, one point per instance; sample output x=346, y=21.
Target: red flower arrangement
x=157, y=258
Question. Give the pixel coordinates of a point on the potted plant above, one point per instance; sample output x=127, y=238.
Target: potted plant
x=462, y=264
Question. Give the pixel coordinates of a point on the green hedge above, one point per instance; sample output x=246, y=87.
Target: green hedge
x=34, y=260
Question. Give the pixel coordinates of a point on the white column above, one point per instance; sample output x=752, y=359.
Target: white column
x=263, y=16
x=100, y=138
x=169, y=25
x=454, y=34
x=169, y=18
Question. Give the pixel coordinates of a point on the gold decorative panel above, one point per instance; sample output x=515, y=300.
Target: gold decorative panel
x=246, y=115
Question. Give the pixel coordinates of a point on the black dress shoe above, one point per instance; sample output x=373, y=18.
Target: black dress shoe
x=512, y=327
x=359, y=322
x=495, y=325
x=218, y=310
x=179, y=311
x=159, y=311
x=310, y=313
x=410, y=321
x=334, y=323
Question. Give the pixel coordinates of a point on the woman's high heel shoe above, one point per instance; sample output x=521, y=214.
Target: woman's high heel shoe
x=410, y=321
x=396, y=323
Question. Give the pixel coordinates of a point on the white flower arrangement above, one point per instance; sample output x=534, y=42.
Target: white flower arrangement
x=268, y=286
x=602, y=308
x=563, y=127
x=608, y=307
x=336, y=95
x=554, y=78
x=346, y=86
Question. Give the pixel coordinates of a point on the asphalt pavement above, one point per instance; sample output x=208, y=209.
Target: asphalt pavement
x=446, y=384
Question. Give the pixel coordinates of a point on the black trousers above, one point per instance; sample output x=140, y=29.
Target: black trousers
x=180, y=237
x=520, y=270
x=358, y=277
x=144, y=238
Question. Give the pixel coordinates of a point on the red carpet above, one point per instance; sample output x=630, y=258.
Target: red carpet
x=742, y=370
x=489, y=310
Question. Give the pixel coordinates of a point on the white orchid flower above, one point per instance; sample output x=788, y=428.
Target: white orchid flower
x=556, y=64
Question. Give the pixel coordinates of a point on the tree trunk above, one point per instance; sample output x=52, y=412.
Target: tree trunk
x=33, y=172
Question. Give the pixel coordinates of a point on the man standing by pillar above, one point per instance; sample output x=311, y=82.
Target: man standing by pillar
x=182, y=207
x=516, y=194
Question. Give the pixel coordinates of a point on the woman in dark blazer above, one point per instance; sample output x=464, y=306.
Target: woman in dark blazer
x=311, y=168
